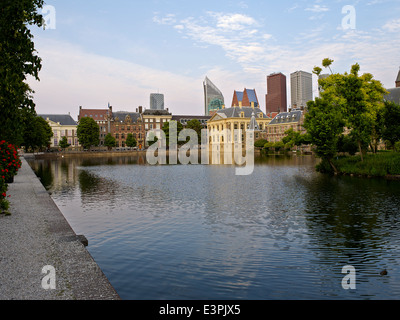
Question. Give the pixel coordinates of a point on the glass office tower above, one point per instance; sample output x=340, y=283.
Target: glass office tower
x=213, y=98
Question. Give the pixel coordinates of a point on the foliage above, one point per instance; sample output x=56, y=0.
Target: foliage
x=278, y=145
x=173, y=125
x=64, y=143
x=151, y=138
x=391, y=121
x=18, y=60
x=195, y=125
x=37, y=132
x=377, y=165
x=358, y=98
x=397, y=146
x=324, y=123
x=88, y=133
x=260, y=143
x=347, y=144
x=10, y=162
x=268, y=146
x=109, y=141
x=130, y=141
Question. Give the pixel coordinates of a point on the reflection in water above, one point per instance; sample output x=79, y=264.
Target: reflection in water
x=200, y=232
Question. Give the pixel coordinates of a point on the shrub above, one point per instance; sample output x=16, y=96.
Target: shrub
x=397, y=146
x=9, y=160
x=260, y=143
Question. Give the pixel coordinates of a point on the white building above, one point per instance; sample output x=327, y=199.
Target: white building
x=63, y=125
x=301, y=89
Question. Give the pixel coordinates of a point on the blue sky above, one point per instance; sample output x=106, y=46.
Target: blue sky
x=119, y=52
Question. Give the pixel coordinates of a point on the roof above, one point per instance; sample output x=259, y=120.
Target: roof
x=287, y=117
x=394, y=95
x=398, y=77
x=235, y=112
x=251, y=94
x=189, y=117
x=156, y=112
x=96, y=114
x=123, y=114
x=253, y=123
x=63, y=119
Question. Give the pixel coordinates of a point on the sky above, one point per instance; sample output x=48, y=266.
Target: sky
x=96, y=53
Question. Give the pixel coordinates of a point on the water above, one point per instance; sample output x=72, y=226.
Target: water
x=200, y=232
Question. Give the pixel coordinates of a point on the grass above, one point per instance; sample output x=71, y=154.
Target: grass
x=378, y=165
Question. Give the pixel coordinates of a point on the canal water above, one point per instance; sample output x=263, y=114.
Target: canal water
x=201, y=232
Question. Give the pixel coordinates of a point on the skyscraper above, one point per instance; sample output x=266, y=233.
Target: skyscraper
x=276, y=98
x=301, y=89
x=156, y=101
x=213, y=98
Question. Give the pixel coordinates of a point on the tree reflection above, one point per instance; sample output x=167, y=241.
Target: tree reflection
x=347, y=218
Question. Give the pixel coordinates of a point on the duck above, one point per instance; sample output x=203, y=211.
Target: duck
x=384, y=273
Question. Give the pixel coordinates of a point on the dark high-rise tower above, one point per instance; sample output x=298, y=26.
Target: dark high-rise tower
x=276, y=98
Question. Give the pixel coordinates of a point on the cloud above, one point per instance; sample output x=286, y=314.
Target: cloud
x=392, y=26
x=317, y=8
x=168, y=19
x=72, y=77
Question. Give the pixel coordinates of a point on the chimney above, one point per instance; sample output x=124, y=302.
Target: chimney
x=140, y=109
x=240, y=104
x=252, y=104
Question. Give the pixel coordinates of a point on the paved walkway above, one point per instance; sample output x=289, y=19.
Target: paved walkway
x=36, y=235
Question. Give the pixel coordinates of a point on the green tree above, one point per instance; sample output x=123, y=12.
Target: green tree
x=130, y=141
x=358, y=98
x=174, y=125
x=37, y=132
x=279, y=145
x=324, y=124
x=109, y=141
x=64, y=143
x=88, y=133
x=151, y=138
x=268, y=146
x=18, y=60
x=195, y=125
x=346, y=143
x=260, y=143
x=391, y=122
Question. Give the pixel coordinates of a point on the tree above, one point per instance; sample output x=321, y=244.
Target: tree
x=347, y=144
x=152, y=138
x=260, y=143
x=109, y=141
x=357, y=97
x=130, y=141
x=18, y=60
x=175, y=125
x=268, y=146
x=391, y=121
x=324, y=124
x=64, y=143
x=278, y=145
x=37, y=133
x=88, y=132
x=195, y=125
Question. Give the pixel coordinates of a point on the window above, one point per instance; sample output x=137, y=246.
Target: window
x=242, y=114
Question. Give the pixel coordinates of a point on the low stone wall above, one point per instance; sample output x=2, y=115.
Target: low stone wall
x=35, y=235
